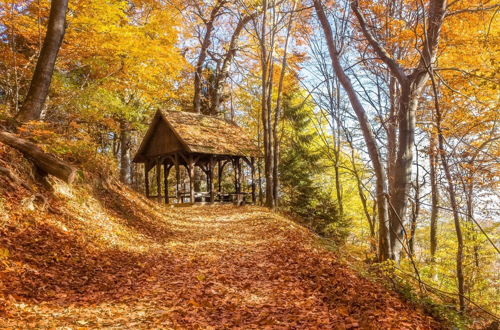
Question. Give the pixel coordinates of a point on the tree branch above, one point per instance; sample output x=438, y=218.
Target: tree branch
x=472, y=10
x=393, y=65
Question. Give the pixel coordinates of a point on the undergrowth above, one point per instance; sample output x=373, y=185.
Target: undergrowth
x=386, y=273
x=445, y=311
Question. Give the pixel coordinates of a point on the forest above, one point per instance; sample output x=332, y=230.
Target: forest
x=376, y=125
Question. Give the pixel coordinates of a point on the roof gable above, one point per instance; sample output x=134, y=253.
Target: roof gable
x=198, y=133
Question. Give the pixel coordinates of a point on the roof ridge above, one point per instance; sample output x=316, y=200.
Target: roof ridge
x=202, y=115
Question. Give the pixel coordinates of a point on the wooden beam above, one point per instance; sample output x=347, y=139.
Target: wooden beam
x=146, y=178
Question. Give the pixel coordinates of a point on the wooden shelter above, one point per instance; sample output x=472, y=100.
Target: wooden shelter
x=190, y=140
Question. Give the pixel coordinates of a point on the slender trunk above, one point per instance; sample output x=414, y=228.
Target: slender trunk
x=434, y=195
x=456, y=219
x=271, y=202
x=277, y=112
x=469, y=199
x=453, y=199
x=368, y=135
x=259, y=165
x=336, y=144
x=371, y=222
x=266, y=60
x=415, y=213
x=125, y=161
x=338, y=187
x=40, y=83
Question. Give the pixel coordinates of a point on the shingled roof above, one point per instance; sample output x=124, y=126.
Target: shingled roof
x=199, y=133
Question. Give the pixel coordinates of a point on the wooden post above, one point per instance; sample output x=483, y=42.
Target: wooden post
x=252, y=171
x=211, y=178
x=146, y=178
x=191, y=178
x=158, y=180
x=177, y=179
x=219, y=176
x=166, y=171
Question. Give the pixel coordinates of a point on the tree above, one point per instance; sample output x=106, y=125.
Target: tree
x=276, y=25
x=410, y=87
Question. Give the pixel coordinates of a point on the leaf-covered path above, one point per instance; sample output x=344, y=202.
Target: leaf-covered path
x=198, y=267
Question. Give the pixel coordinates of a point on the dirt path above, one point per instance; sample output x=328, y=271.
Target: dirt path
x=203, y=267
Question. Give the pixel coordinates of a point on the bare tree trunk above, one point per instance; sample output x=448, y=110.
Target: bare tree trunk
x=434, y=195
x=336, y=165
x=373, y=152
x=209, y=26
x=40, y=83
x=403, y=168
x=259, y=163
x=266, y=60
x=125, y=160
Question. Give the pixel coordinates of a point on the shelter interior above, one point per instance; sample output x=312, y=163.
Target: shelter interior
x=199, y=149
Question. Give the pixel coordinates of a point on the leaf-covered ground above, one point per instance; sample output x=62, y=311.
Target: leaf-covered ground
x=109, y=258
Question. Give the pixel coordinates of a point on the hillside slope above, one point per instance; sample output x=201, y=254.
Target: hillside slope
x=103, y=256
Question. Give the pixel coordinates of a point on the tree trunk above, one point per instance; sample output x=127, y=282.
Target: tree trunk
x=434, y=195
x=266, y=117
x=411, y=89
x=402, y=171
x=392, y=136
x=415, y=211
x=40, y=83
x=277, y=112
x=125, y=160
x=209, y=26
x=47, y=163
x=336, y=167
